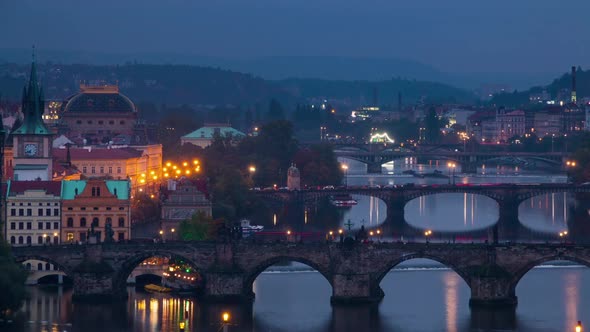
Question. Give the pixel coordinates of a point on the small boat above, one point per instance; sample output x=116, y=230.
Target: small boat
x=248, y=229
x=342, y=200
x=409, y=172
x=156, y=288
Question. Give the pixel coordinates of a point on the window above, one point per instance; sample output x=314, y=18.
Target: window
x=89, y=121
x=70, y=222
x=82, y=236
x=121, y=236
x=48, y=225
x=12, y=225
x=70, y=208
x=29, y=240
x=48, y=212
x=109, y=208
x=40, y=225
x=82, y=209
x=121, y=208
x=12, y=240
x=20, y=240
x=55, y=225
x=70, y=237
x=56, y=212
x=29, y=225
x=111, y=122
x=84, y=169
x=39, y=266
x=29, y=212
x=118, y=170
x=21, y=225
x=56, y=240
x=47, y=266
x=101, y=170
x=21, y=212
x=39, y=239
x=93, y=191
x=108, y=220
x=100, y=122
x=82, y=222
x=13, y=212
x=121, y=122
x=95, y=222
x=40, y=213
x=79, y=122
x=95, y=208
x=29, y=267
x=121, y=222
x=93, y=170
x=110, y=170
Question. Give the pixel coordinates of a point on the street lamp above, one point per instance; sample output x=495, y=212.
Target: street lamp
x=427, y=234
x=225, y=321
x=452, y=167
x=379, y=235
x=579, y=326
x=345, y=169
x=570, y=164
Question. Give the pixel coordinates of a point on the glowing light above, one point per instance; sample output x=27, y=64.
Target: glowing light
x=195, y=162
x=381, y=138
x=185, y=164
x=168, y=164
x=225, y=317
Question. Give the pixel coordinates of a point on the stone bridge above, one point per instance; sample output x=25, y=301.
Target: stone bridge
x=354, y=271
x=468, y=160
x=507, y=196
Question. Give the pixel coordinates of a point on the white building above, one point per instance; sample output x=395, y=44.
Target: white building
x=33, y=214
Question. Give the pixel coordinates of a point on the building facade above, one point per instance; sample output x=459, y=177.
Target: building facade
x=33, y=212
x=181, y=200
x=203, y=137
x=93, y=207
x=509, y=124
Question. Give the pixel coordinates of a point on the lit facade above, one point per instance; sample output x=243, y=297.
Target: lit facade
x=92, y=204
x=182, y=199
x=33, y=212
x=509, y=124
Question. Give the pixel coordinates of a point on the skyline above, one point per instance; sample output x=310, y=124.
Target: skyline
x=459, y=37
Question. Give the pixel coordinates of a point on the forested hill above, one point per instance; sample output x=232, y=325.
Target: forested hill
x=563, y=83
x=194, y=85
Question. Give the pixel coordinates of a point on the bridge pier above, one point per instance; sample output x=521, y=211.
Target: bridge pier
x=355, y=289
x=489, y=291
x=374, y=168
x=226, y=287
x=508, y=224
x=94, y=278
x=396, y=211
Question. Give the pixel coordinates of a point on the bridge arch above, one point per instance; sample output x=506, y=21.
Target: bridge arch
x=260, y=267
x=60, y=267
x=390, y=265
x=126, y=267
x=519, y=274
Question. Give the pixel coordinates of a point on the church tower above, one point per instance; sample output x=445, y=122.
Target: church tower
x=32, y=140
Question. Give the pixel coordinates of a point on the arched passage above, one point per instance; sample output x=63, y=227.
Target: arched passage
x=286, y=290
x=553, y=293
x=44, y=270
x=420, y=285
x=546, y=211
x=176, y=271
x=461, y=211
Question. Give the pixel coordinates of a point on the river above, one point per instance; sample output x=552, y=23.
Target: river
x=420, y=295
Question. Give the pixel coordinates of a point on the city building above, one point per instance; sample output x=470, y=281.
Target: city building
x=142, y=165
x=509, y=124
x=98, y=114
x=574, y=118
x=31, y=140
x=33, y=212
x=95, y=205
x=548, y=122
x=293, y=178
x=181, y=200
x=204, y=136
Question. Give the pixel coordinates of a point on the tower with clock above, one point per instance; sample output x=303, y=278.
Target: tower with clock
x=32, y=140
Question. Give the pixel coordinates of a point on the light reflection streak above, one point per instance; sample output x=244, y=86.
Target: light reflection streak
x=572, y=299
x=465, y=209
x=451, y=281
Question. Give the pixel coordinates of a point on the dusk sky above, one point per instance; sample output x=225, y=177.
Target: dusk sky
x=454, y=36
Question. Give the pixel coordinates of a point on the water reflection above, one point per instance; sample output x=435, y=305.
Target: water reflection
x=547, y=213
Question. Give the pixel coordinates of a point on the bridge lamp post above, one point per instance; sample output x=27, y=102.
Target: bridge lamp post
x=570, y=164
x=452, y=167
x=341, y=233
x=563, y=235
x=371, y=233
x=345, y=169
x=225, y=321
x=579, y=326
x=162, y=235
x=427, y=234
x=379, y=235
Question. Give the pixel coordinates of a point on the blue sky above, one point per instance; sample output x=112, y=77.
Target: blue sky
x=458, y=36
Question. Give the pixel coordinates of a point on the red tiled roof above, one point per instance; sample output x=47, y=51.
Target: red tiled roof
x=97, y=153
x=51, y=187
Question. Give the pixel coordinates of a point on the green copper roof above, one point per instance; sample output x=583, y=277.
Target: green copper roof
x=68, y=188
x=209, y=132
x=118, y=187
x=33, y=105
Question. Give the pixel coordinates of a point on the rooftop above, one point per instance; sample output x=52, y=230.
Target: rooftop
x=120, y=188
x=19, y=187
x=209, y=132
x=92, y=153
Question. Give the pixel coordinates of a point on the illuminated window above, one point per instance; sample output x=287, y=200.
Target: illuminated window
x=70, y=237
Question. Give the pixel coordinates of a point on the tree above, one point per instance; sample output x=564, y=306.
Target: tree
x=12, y=281
x=199, y=227
x=432, y=125
x=275, y=111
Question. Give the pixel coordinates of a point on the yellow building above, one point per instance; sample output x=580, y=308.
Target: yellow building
x=142, y=165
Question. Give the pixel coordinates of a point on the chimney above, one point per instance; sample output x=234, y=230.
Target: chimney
x=574, y=97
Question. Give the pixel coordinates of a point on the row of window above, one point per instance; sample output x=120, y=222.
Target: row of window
x=101, y=170
x=108, y=208
x=29, y=204
x=70, y=237
x=95, y=221
x=29, y=212
x=29, y=225
x=28, y=239
x=100, y=122
x=48, y=267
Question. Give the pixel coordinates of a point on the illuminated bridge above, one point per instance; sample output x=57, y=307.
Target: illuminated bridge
x=353, y=270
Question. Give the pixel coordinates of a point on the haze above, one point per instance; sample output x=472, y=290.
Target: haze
x=457, y=36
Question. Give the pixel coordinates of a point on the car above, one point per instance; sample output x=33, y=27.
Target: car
x=375, y=186
x=330, y=187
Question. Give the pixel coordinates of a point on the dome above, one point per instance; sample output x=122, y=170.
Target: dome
x=99, y=99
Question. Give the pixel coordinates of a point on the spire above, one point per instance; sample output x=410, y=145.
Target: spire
x=33, y=106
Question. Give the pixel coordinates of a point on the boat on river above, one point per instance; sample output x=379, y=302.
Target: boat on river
x=156, y=288
x=343, y=200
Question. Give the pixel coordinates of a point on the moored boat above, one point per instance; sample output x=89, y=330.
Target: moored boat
x=343, y=200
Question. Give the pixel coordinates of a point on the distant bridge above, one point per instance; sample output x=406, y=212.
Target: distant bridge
x=468, y=160
x=507, y=196
x=353, y=270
